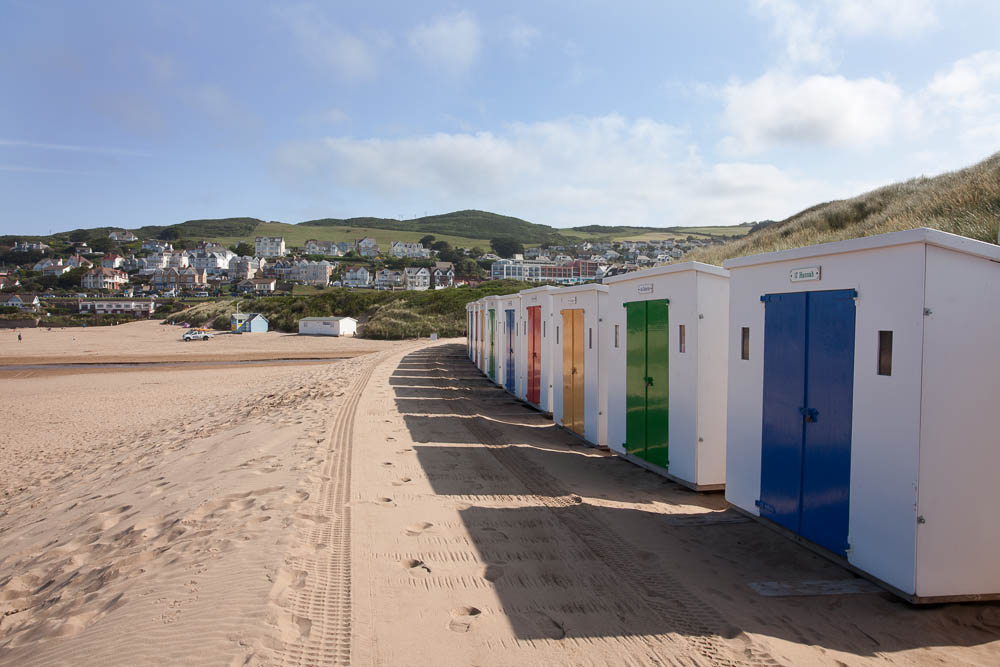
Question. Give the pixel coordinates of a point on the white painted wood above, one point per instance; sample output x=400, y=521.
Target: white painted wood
x=926, y=426
x=699, y=300
x=589, y=298
x=542, y=297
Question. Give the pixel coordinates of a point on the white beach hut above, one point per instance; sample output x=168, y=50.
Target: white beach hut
x=491, y=337
x=580, y=381
x=328, y=326
x=536, y=353
x=666, y=342
x=509, y=340
x=863, y=378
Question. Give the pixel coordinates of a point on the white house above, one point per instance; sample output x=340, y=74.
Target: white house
x=310, y=272
x=389, y=279
x=104, y=278
x=407, y=249
x=861, y=405
x=328, y=248
x=22, y=301
x=356, y=276
x=269, y=246
x=417, y=278
x=123, y=236
x=367, y=247
x=443, y=274
x=328, y=326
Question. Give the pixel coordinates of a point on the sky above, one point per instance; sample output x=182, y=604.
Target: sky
x=131, y=113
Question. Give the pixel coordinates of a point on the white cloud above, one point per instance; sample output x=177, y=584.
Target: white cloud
x=523, y=36
x=451, y=42
x=603, y=170
x=325, y=44
x=810, y=30
x=901, y=19
x=965, y=99
x=778, y=109
x=806, y=40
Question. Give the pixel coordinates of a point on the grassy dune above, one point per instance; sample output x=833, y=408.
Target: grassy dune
x=965, y=202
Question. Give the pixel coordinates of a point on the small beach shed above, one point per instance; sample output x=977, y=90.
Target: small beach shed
x=491, y=346
x=580, y=386
x=248, y=323
x=509, y=307
x=863, y=382
x=328, y=326
x=667, y=340
x=535, y=384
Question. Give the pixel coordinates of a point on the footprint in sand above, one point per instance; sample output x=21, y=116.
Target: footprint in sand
x=385, y=501
x=462, y=618
x=401, y=481
x=416, y=568
x=417, y=528
x=404, y=451
x=387, y=464
x=493, y=571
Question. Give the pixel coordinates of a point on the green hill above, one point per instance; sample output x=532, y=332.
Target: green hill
x=965, y=202
x=460, y=228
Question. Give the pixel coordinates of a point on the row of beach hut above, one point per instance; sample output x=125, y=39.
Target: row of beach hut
x=843, y=393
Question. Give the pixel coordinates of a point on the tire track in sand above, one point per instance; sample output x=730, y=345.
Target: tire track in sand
x=320, y=562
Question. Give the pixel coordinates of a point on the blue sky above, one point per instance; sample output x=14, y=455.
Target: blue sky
x=649, y=113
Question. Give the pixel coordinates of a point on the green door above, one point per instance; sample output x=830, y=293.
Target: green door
x=646, y=380
x=657, y=363
x=493, y=353
x=635, y=379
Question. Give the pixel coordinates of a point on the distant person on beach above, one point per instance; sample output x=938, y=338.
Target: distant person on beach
x=18, y=336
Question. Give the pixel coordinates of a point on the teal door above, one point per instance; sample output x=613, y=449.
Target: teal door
x=647, y=414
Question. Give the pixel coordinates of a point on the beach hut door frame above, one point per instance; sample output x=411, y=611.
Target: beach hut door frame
x=647, y=388
x=492, y=359
x=808, y=394
x=534, y=354
x=574, y=371
x=509, y=367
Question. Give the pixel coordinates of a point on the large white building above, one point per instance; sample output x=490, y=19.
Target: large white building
x=311, y=273
x=356, y=276
x=417, y=278
x=269, y=246
x=407, y=249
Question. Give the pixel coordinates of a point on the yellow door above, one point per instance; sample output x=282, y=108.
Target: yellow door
x=579, y=374
x=573, y=369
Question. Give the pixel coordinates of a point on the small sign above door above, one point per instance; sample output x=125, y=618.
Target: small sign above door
x=802, y=275
x=571, y=299
x=645, y=288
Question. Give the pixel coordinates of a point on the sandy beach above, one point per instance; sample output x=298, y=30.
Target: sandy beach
x=386, y=507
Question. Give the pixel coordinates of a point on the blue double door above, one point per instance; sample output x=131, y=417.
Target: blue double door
x=508, y=376
x=808, y=396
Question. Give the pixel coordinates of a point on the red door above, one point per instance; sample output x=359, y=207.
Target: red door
x=534, y=354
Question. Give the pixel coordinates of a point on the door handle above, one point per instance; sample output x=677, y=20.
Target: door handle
x=810, y=415
x=649, y=381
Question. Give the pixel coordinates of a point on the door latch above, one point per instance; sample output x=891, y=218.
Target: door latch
x=649, y=381
x=811, y=415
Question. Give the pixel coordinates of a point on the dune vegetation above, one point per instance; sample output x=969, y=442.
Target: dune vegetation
x=965, y=202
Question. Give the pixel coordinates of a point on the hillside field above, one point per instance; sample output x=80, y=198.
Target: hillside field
x=297, y=235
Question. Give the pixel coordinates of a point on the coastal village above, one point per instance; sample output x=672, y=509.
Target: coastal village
x=133, y=273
